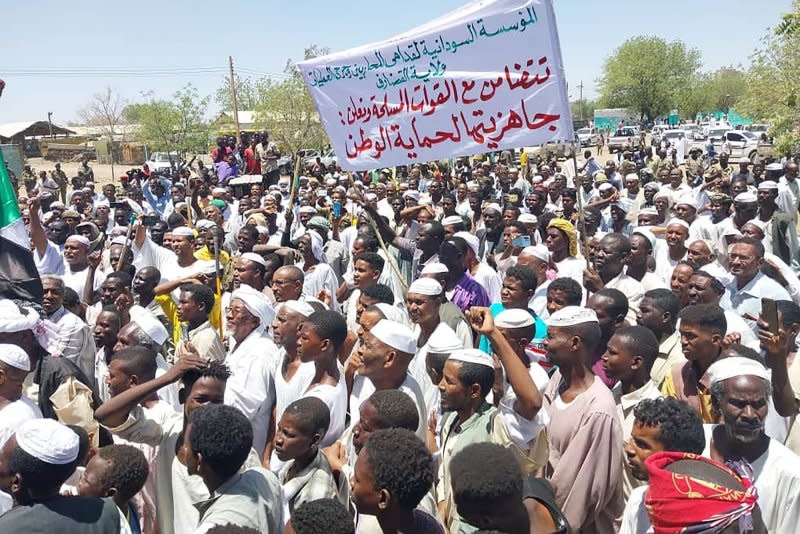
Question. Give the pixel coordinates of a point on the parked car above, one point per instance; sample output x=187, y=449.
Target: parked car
x=744, y=144
x=160, y=161
x=694, y=132
x=588, y=137
x=627, y=136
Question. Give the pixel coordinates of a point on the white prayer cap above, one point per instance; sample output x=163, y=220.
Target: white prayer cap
x=688, y=200
x=735, y=366
x=412, y=194
x=104, y=203
x=624, y=204
x=435, y=268
x=425, y=286
x=774, y=167
x=452, y=219
x=207, y=267
x=647, y=234
x=514, y=318
x=58, y=205
x=393, y=313
x=252, y=256
x=654, y=186
x=528, y=218
x=371, y=197
x=202, y=224
x=256, y=303
x=149, y=325
x=632, y=176
x=48, y=440
x=184, y=231
x=663, y=193
x=493, y=206
x=605, y=186
x=768, y=185
x=298, y=306
x=307, y=209
x=119, y=240
x=537, y=251
x=330, y=181
x=572, y=315
x=648, y=211
x=15, y=357
x=471, y=239
x=472, y=356
x=746, y=197
x=445, y=342
x=12, y=319
x=679, y=222
x=219, y=190
x=321, y=193
x=80, y=239
x=262, y=229
x=395, y=335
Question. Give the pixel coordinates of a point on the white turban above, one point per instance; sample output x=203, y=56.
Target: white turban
x=80, y=239
x=736, y=366
x=252, y=256
x=14, y=318
x=257, y=304
x=298, y=306
x=571, y=316
x=316, y=246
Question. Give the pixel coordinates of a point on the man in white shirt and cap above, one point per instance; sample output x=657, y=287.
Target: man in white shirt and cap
x=77, y=268
x=537, y=257
x=251, y=360
x=34, y=463
x=480, y=270
x=740, y=391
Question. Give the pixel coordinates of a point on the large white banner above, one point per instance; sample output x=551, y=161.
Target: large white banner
x=486, y=77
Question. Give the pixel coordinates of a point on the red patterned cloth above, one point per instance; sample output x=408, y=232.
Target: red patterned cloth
x=679, y=503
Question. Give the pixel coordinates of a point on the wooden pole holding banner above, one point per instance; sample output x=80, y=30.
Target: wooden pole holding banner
x=127, y=244
x=581, y=218
x=218, y=280
x=235, y=103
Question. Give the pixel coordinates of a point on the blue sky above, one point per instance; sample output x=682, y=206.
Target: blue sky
x=83, y=36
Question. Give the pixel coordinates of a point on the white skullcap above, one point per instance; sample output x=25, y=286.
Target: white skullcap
x=632, y=176
x=677, y=221
x=49, y=441
x=648, y=211
x=528, y=218
x=298, y=306
x=14, y=320
x=220, y=190
x=202, y=224
x=494, y=206
x=252, y=256
x=395, y=335
x=262, y=229
x=514, y=318
x=184, y=231
x=572, y=315
x=371, y=197
x=15, y=357
x=735, y=366
x=149, y=325
x=746, y=197
x=104, y=203
x=119, y=240
x=768, y=185
x=321, y=193
x=688, y=200
x=452, y=219
x=654, y=186
x=624, y=204
x=256, y=303
x=425, y=286
x=393, y=313
x=80, y=239
x=445, y=342
x=774, y=167
x=414, y=195
x=207, y=266
x=471, y=239
x=330, y=181
x=663, y=193
x=605, y=186
x=472, y=356
x=435, y=268
x=647, y=234
x=307, y=209
x=537, y=251
x=57, y=205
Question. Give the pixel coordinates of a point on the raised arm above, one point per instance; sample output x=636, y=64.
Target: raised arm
x=38, y=236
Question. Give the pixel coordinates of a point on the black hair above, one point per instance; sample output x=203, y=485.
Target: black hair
x=665, y=301
x=215, y=369
x=647, y=243
x=251, y=230
x=138, y=360
x=706, y=316
x=83, y=441
x=689, y=263
x=128, y=470
x=71, y=298
x=620, y=243
x=518, y=225
x=713, y=282
x=619, y=302
x=570, y=192
x=372, y=258
x=485, y=476
x=379, y=292
x=312, y=415
x=39, y=476
x=231, y=529
x=123, y=277
x=757, y=244
x=790, y=313
x=571, y=289
x=395, y=409
x=369, y=240
x=642, y=341
x=273, y=258
x=458, y=243
x=329, y=324
x=474, y=373
x=175, y=219
x=223, y=435
x=680, y=428
x=201, y=294
x=401, y=464
x=436, y=232
x=322, y=515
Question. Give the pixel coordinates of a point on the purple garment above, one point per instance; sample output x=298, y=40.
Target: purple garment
x=468, y=293
x=600, y=372
x=224, y=171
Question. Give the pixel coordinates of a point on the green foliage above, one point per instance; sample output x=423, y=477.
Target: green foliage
x=647, y=74
x=584, y=109
x=171, y=125
x=711, y=92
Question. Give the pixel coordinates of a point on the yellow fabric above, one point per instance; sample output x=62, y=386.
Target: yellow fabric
x=668, y=389
x=171, y=311
x=204, y=254
x=572, y=234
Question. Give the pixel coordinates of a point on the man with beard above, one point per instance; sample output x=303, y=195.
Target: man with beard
x=740, y=391
x=47, y=246
x=105, y=330
x=74, y=336
x=666, y=259
x=609, y=272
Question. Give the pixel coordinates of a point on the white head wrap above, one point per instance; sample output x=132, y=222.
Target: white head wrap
x=316, y=246
x=14, y=318
x=48, y=440
x=202, y=224
x=472, y=356
x=395, y=335
x=688, y=200
x=149, y=325
x=625, y=204
x=15, y=357
x=414, y=195
x=80, y=239
x=735, y=366
x=184, y=231
x=435, y=268
x=572, y=315
x=307, y=209
x=252, y=256
x=648, y=211
x=514, y=318
x=298, y=306
x=679, y=222
x=605, y=186
x=119, y=240
x=471, y=239
x=494, y=206
x=452, y=219
x=425, y=286
x=647, y=234
x=528, y=218
x=257, y=304
x=103, y=203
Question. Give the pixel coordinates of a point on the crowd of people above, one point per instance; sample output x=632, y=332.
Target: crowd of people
x=506, y=343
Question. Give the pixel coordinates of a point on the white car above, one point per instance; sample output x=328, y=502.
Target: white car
x=160, y=161
x=588, y=136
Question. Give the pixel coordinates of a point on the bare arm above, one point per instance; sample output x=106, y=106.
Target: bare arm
x=38, y=236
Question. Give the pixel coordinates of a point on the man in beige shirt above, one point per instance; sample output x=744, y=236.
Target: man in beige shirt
x=194, y=306
x=658, y=311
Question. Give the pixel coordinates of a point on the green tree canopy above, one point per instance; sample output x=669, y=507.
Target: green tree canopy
x=647, y=74
x=711, y=92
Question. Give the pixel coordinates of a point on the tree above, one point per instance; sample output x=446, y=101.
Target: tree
x=719, y=90
x=646, y=75
x=583, y=109
x=172, y=125
x=106, y=111
x=247, y=93
x=772, y=82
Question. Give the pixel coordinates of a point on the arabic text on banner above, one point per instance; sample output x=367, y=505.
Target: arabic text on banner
x=486, y=77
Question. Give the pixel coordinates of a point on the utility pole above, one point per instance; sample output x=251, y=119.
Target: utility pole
x=580, y=98
x=235, y=104
x=50, y=123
